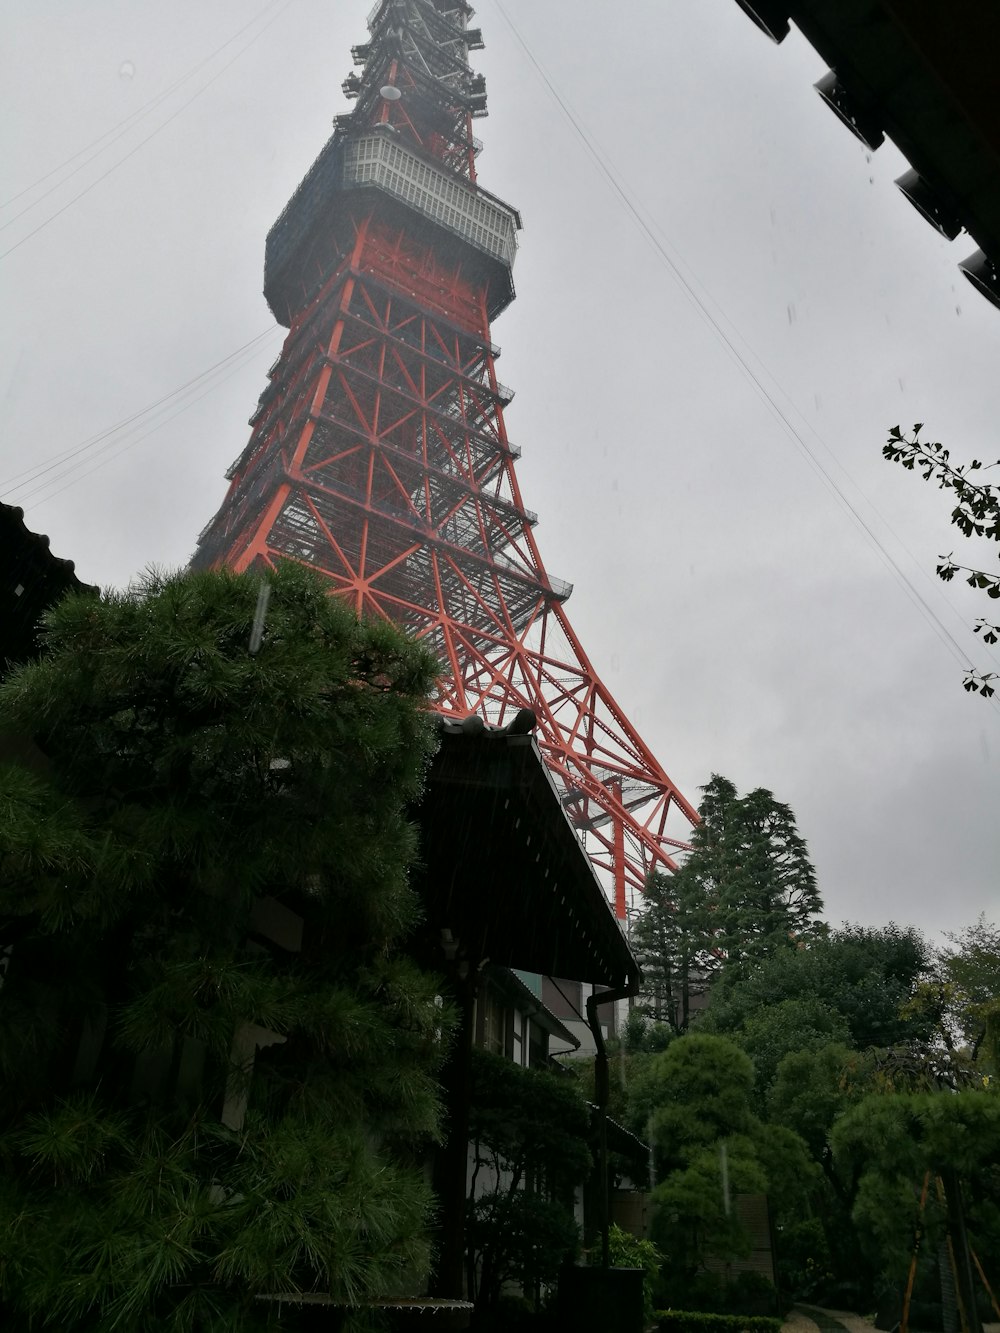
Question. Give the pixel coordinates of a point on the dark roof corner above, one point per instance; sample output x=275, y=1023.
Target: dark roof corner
x=31, y=580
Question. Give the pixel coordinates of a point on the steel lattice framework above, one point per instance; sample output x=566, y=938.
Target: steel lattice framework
x=379, y=453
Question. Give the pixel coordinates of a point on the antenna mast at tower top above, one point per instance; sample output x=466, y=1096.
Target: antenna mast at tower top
x=379, y=452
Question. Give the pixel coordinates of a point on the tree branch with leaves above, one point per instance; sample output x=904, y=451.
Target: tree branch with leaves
x=976, y=514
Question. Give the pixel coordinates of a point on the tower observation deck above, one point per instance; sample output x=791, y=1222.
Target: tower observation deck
x=379, y=453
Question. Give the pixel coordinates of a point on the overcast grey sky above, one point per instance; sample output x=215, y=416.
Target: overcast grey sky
x=731, y=602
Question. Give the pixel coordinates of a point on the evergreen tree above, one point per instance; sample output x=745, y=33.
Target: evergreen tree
x=888, y=1143
x=694, y=1102
x=747, y=891
x=756, y=865
x=216, y=1066
x=865, y=976
x=673, y=941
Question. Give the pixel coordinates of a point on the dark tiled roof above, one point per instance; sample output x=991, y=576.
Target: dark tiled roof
x=502, y=868
x=31, y=580
x=923, y=73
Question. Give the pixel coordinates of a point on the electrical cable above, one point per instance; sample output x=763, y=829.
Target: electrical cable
x=142, y=142
x=568, y=1000
x=131, y=443
x=19, y=480
x=117, y=131
x=687, y=286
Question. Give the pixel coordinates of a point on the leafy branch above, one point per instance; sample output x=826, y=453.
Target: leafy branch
x=976, y=514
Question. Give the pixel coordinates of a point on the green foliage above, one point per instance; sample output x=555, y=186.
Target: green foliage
x=886, y=1144
x=695, y=1218
x=696, y=1101
x=748, y=890
x=906, y=1135
x=697, y=1321
x=761, y=881
x=628, y=1251
x=188, y=782
x=805, y=1264
x=641, y=1035
x=519, y=1236
x=811, y=1089
x=694, y=1093
x=971, y=974
x=745, y=1293
x=530, y=1131
x=674, y=940
x=773, y=1031
x=862, y=975
x=789, y=1171
x=529, y=1121
x=976, y=515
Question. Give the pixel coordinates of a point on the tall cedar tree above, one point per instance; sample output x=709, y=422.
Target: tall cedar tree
x=760, y=881
x=747, y=890
x=193, y=1115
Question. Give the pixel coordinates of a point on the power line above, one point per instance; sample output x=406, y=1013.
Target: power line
x=138, y=440
x=123, y=126
x=114, y=434
x=142, y=142
x=701, y=304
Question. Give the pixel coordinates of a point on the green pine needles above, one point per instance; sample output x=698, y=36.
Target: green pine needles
x=217, y=1067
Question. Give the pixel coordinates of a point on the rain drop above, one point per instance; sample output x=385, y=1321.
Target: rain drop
x=958, y=310
x=792, y=313
x=126, y=70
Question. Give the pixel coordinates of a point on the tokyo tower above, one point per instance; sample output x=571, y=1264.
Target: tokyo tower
x=379, y=454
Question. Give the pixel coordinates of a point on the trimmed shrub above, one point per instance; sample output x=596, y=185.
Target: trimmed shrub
x=696, y=1321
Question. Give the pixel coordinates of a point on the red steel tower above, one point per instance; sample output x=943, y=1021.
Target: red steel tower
x=379, y=453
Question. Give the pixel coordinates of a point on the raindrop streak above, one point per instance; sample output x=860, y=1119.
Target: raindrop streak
x=724, y=1170
x=126, y=70
x=792, y=314
x=257, y=632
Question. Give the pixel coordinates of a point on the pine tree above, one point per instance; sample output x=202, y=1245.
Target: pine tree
x=673, y=939
x=747, y=890
x=216, y=1064
x=756, y=867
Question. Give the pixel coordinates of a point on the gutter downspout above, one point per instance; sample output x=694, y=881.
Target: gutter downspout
x=602, y=1088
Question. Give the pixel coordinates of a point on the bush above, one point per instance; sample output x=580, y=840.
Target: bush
x=698, y=1321
x=744, y=1295
x=628, y=1251
x=805, y=1269
x=751, y=1294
